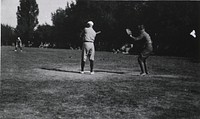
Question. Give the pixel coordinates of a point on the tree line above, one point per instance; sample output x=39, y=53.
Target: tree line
x=169, y=24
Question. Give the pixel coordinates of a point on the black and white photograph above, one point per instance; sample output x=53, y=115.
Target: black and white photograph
x=100, y=59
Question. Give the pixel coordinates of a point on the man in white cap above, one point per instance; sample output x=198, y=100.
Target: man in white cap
x=88, y=51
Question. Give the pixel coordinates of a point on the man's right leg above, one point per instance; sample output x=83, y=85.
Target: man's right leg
x=83, y=58
x=16, y=47
x=82, y=65
x=20, y=47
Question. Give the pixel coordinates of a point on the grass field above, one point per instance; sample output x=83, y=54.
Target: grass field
x=46, y=84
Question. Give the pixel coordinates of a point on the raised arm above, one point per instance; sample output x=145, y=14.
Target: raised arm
x=137, y=38
x=98, y=32
x=82, y=33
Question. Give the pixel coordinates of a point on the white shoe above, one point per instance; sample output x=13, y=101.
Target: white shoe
x=143, y=74
x=91, y=73
x=82, y=72
x=15, y=50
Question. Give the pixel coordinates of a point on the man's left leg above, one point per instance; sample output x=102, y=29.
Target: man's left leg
x=145, y=67
x=82, y=66
x=141, y=63
x=91, y=57
x=91, y=66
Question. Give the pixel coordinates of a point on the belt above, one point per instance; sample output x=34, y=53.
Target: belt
x=89, y=41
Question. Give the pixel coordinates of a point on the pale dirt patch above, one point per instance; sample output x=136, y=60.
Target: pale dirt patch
x=71, y=74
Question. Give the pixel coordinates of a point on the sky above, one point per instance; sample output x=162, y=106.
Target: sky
x=46, y=7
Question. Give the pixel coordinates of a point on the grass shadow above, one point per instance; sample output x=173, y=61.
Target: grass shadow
x=69, y=71
x=60, y=70
x=106, y=71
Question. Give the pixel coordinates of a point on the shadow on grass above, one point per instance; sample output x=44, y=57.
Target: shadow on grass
x=69, y=71
x=106, y=71
x=60, y=70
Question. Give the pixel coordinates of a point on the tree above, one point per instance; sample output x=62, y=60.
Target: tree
x=7, y=35
x=58, y=19
x=168, y=23
x=27, y=19
x=43, y=34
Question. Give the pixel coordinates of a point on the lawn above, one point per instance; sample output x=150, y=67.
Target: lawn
x=46, y=84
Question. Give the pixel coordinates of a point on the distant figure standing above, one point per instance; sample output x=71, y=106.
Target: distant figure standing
x=147, y=50
x=88, y=51
x=18, y=44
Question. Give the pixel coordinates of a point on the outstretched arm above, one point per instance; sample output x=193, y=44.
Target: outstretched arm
x=98, y=32
x=137, y=38
x=81, y=34
x=132, y=37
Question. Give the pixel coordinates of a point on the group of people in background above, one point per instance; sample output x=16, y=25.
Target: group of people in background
x=125, y=49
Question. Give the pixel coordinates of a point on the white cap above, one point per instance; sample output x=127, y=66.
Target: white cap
x=90, y=23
